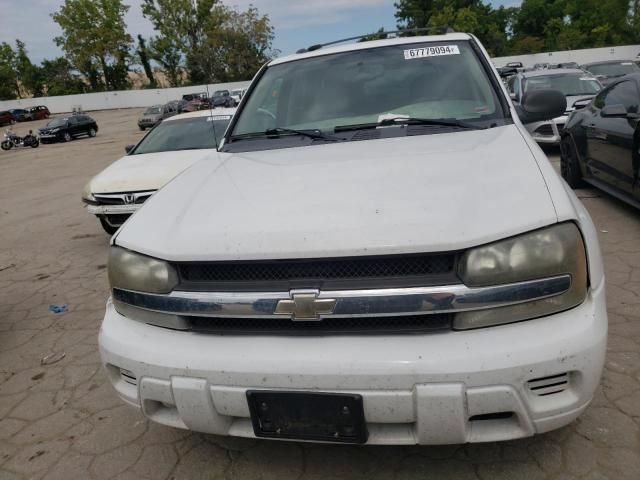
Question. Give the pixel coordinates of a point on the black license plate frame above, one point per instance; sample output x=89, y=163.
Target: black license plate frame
x=310, y=416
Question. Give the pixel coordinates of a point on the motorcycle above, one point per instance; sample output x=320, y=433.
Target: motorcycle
x=12, y=140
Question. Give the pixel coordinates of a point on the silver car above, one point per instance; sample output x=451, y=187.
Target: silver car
x=578, y=86
x=154, y=115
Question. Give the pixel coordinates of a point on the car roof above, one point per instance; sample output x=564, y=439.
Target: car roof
x=553, y=71
x=607, y=62
x=203, y=113
x=348, y=47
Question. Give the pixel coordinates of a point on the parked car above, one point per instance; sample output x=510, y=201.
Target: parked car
x=237, y=94
x=379, y=253
x=67, y=128
x=40, y=112
x=154, y=115
x=193, y=96
x=21, y=115
x=609, y=70
x=196, y=104
x=222, y=98
x=601, y=143
x=178, y=105
x=121, y=189
x=7, y=118
x=576, y=85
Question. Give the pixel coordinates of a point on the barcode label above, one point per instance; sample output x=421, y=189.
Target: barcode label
x=436, y=51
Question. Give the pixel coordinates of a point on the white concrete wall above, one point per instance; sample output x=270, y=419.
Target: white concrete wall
x=627, y=52
x=120, y=99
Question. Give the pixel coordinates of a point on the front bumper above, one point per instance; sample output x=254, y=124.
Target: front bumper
x=548, y=132
x=439, y=388
x=113, y=209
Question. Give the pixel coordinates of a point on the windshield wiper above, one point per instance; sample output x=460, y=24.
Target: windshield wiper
x=409, y=121
x=276, y=133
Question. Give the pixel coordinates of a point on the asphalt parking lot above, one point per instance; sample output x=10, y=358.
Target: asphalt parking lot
x=62, y=420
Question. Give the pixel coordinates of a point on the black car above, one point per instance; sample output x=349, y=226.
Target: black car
x=222, y=98
x=600, y=144
x=21, y=114
x=610, y=70
x=66, y=128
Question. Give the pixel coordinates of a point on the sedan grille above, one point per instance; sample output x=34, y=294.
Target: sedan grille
x=315, y=273
x=328, y=326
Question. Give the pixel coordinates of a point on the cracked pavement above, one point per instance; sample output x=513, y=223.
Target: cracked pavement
x=63, y=420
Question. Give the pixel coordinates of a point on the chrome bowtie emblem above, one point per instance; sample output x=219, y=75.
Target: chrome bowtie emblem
x=305, y=306
x=129, y=198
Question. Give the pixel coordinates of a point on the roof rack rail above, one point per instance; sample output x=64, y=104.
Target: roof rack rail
x=439, y=30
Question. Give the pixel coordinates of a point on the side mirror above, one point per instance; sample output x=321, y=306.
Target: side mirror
x=513, y=97
x=614, y=111
x=541, y=105
x=128, y=148
x=582, y=103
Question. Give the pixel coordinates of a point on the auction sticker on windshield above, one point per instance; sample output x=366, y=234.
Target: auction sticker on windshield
x=436, y=51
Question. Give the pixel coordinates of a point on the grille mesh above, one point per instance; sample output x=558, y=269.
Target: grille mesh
x=329, y=326
x=334, y=269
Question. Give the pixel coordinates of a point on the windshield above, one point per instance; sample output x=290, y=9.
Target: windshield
x=220, y=93
x=439, y=81
x=614, y=69
x=569, y=84
x=185, y=134
x=153, y=110
x=57, y=122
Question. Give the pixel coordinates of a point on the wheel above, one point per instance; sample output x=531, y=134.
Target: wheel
x=142, y=129
x=108, y=228
x=46, y=115
x=92, y=132
x=12, y=121
x=569, y=163
x=6, y=145
x=67, y=137
x=35, y=143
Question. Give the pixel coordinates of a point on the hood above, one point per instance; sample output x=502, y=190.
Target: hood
x=424, y=193
x=148, y=171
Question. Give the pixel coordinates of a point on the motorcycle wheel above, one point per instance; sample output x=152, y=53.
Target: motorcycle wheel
x=35, y=143
x=6, y=145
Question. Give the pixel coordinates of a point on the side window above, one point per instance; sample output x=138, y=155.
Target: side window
x=624, y=93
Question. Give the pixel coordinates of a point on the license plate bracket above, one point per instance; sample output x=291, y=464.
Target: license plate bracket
x=318, y=416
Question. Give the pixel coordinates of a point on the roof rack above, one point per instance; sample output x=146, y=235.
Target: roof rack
x=439, y=30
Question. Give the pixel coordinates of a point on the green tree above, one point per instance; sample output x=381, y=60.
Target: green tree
x=379, y=35
x=59, y=79
x=212, y=41
x=29, y=75
x=8, y=78
x=143, y=55
x=95, y=40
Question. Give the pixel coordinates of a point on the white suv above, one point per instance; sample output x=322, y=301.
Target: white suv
x=379, y=253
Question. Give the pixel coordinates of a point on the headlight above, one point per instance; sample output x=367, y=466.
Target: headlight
x=549, y=252
x=54, y=130
x=86, y=193
x=132, y=271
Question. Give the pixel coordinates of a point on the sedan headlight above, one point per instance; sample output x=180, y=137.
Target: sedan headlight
x=54, y=130
x=133, y=271
x=549, y=252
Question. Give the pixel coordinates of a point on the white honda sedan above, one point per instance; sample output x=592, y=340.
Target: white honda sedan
x=167, y=150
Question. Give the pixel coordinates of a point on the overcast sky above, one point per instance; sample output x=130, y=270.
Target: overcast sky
x=297, y=23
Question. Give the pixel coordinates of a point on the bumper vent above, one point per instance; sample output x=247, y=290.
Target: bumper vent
x=329, y=326
x=128, y=377
x=549, y=385
x=545, y=130
x=352, y=272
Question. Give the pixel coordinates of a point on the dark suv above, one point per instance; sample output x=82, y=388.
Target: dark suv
x=66, y=128
x=222, y=98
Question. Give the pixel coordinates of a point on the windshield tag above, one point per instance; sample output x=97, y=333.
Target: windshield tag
x=218, y=117
x=436, y=51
